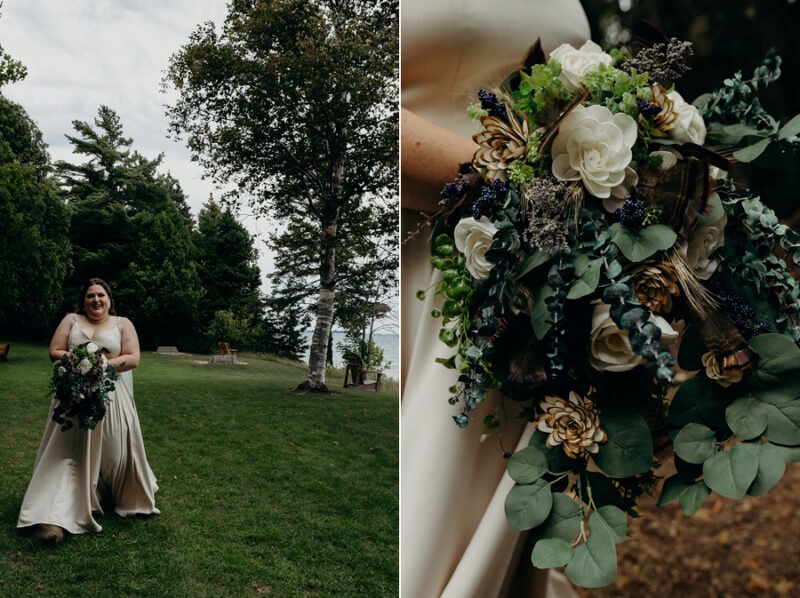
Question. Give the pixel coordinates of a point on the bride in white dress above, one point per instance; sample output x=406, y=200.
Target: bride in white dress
x=454, y=537
x=78, y=472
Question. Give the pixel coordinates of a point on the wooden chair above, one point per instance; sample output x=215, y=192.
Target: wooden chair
x=355, y=371
x=4, y=349
x=225, y=349
x=226, y=354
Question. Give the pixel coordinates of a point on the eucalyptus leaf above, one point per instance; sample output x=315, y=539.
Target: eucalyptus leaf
x=527, y=465
x=540, y=317
x=730, y=473
x=611, y=518
x=532, y=262
x=638, y=245
x=783, y=422
x=551, y=552
x=529, y=505
x=682, y=409
x=791, y=128
x=695, y=443
x=747, y=418
x=629, y=448
x=565, y=518
x=672, y=489
x=775, y=379
x=751, y=152
x=594, y=563
x=771, y=467
x=587, y=276
x=557, y=460
x=693, y=498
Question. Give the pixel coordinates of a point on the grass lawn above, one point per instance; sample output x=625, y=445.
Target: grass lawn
x=262, y=491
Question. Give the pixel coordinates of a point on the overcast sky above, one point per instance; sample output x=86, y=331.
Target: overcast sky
x=81, y=54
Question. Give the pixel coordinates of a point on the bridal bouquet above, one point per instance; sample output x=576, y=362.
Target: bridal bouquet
x=602, y=270
x=81, y=381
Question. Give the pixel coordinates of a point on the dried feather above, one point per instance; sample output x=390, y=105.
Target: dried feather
x=700, y=300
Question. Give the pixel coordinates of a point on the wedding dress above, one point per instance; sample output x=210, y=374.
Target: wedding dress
x=77, y=471
x=455, y=540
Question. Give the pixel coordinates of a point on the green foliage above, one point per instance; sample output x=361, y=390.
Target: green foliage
x=35, y=248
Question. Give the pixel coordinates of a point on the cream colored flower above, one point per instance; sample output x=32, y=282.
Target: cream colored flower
x=84, y=366
x=706, y=239
x=689, y=126
x=573, y=424
x=713, y=371
x=474, y=238
x=92, y=348
x=576, y=63
x=610, y=347
x=655, y=284
x=594, y=146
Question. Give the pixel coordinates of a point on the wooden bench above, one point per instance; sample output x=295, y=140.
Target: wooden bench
x=4, y=349
x=167, y=349
x=355, y=371
x=225, y=355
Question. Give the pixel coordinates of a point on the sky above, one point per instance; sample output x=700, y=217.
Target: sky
x=81, y=54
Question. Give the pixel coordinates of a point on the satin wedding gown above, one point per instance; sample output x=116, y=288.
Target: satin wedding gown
x=455, y=541
x=78, y=470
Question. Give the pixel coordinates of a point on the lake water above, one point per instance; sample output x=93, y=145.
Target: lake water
x=390, y=343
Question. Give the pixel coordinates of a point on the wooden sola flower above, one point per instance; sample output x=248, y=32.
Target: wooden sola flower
x=501, y=142
x=573, y=424
x=655, y=284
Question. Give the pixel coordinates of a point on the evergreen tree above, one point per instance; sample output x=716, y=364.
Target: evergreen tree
x=131, y=226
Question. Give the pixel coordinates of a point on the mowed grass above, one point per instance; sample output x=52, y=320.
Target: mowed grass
x=262, y=491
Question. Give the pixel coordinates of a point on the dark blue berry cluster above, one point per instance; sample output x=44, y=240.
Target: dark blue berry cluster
x=647, y=109
x=490, y=198
x=631, y=214
x=492, y=105
x=742, y=315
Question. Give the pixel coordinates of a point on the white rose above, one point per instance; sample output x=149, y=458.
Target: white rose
x=576, y=63
x=611, y=350
x=706, y=238
x=84, y=365
x=473, y=239
x=689, y=127
x=724, y=379
x=594, y=146
x=92, y=348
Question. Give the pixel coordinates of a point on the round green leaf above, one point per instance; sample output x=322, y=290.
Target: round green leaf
x=683, y=407
x=693, y=498
x=771, y=467
x=587, y=276
x=557, y=460
x=746, y=418
x=672, y=490
x=611, y=518
x=551, y=552
x=629, y=448
x=638, y=245
x=730, y=473
x=532, y=262
x=594, y=563
x=775, y=379
x=783, y=422
x=527, y=465
x=529, y=505
x=540, y=317
x=695, y=443
x=565, y=518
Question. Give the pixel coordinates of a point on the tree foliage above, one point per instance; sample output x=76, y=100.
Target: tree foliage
x=34, y=244
x=294, y=103
x=131, y=226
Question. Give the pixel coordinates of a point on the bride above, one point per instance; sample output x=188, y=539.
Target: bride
x=454, y=537
x=79, y=472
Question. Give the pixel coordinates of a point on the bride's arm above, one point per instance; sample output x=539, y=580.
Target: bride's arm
x=429, y=157
x=59, y=344
x=129, y=352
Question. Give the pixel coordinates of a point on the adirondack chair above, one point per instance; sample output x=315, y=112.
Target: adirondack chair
x=356, y=373
x=4, y=349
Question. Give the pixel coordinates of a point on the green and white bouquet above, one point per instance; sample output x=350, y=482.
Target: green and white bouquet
x=602, y=270
x=81, y=382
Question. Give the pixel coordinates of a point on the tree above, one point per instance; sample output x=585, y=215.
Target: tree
x=131, y=225
x=227, y=265
x=295, y=105
x=34, y=247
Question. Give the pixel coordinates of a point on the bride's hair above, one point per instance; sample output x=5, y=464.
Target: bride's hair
x=106, y=288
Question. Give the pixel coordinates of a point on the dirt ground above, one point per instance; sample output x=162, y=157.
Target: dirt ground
x=729, y=548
